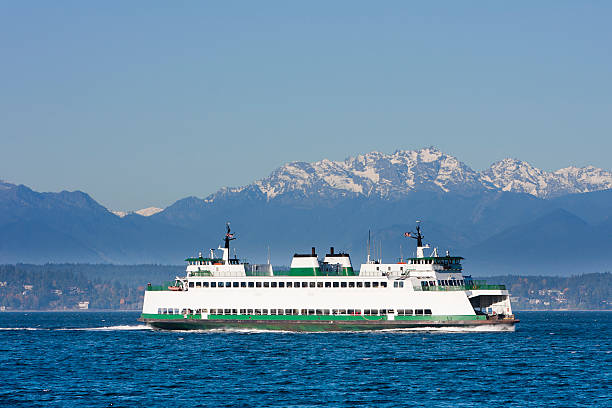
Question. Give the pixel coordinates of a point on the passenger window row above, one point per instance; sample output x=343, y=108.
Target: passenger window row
x=297, y=312
x=318, y=284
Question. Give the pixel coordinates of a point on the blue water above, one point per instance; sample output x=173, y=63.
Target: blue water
x=108, y=359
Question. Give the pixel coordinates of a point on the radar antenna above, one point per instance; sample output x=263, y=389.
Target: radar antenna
x=418, y=236
x=228, y=237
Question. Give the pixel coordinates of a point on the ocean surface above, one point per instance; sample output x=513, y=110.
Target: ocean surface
x=109, y=359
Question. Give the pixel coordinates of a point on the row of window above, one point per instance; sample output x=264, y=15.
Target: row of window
x=450, y=282
x=320, y=284
x=297, y=312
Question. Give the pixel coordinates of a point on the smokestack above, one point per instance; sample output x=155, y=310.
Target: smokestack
x=331, y=250
x=313, y=252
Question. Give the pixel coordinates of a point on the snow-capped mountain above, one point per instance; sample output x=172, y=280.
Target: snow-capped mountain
x=145, y=212
x=388, y=176
x=521, y=177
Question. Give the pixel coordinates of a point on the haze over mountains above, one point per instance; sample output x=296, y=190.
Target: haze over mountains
x=510, y=218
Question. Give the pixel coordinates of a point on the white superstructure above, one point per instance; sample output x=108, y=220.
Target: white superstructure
x=424, y=288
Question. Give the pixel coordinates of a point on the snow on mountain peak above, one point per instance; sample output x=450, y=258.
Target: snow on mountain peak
x=519, y=176
x=382, y=175
x=145, y=212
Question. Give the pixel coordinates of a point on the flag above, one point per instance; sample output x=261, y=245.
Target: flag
x=407, y=234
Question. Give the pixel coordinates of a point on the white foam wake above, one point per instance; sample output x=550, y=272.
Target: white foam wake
x=110, y=328
x=454, y=329
x=22, y=328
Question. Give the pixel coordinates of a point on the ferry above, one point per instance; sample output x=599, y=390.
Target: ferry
x=425, y=291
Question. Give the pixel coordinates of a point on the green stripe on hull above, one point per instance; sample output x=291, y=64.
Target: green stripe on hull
x=314, y=317
x=319, y=325
x=442, y=317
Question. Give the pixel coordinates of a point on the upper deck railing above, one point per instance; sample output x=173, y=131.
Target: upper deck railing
x=475, y=285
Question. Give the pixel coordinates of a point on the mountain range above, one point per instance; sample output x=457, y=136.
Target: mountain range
x=509, y=218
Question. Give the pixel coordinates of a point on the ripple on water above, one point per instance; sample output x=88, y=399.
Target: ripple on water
x=98, y=359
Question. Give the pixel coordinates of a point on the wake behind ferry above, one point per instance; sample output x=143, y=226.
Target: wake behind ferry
x=220, y=292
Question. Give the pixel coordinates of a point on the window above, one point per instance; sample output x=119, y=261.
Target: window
x=342, y=311
x=257, y=311
x=326, y=311
x=281, y=284
x=343, y=284
x=368, y=284
x=359, y=284
x=251, y=284
x=396, y=284
x=198, y=284
x=236, y=284
x=227, y=311
x=312, y=284
x=319, y=311
x=311, y=311
x=428, y=311
x=304, y=312
x=319, y=284
x=250, y=311
x=288, y=311
x=266, y=284
x=243, y=284
x=289, y=284
x=273, y=284
x=304, y=284
x=228, y=284
x=336, y=284
x=220, y=284
x=383, y=284
x=279, y=311
x=351, y=284
x=328, y=284
x=205, y=284
x=273, y=312
x=264, y=311
x=242, y=311
x=400, y=312
x=374, y=284
x=351, y=311
x=191, y=285
x=418, y=312
x=213, y=284
x=234, y=311
x=377, y=268
x=408, y=312
x=258, y=284
x=382, y=311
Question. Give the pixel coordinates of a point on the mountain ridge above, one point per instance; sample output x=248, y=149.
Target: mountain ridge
x=327, y=203
x=390, y=176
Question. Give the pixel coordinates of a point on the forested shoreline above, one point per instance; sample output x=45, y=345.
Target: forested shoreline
x=121, y=287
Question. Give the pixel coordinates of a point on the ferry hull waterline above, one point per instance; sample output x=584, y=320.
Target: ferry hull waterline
x=316, y=295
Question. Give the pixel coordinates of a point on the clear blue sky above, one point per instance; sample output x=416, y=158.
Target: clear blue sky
x=143, y=103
